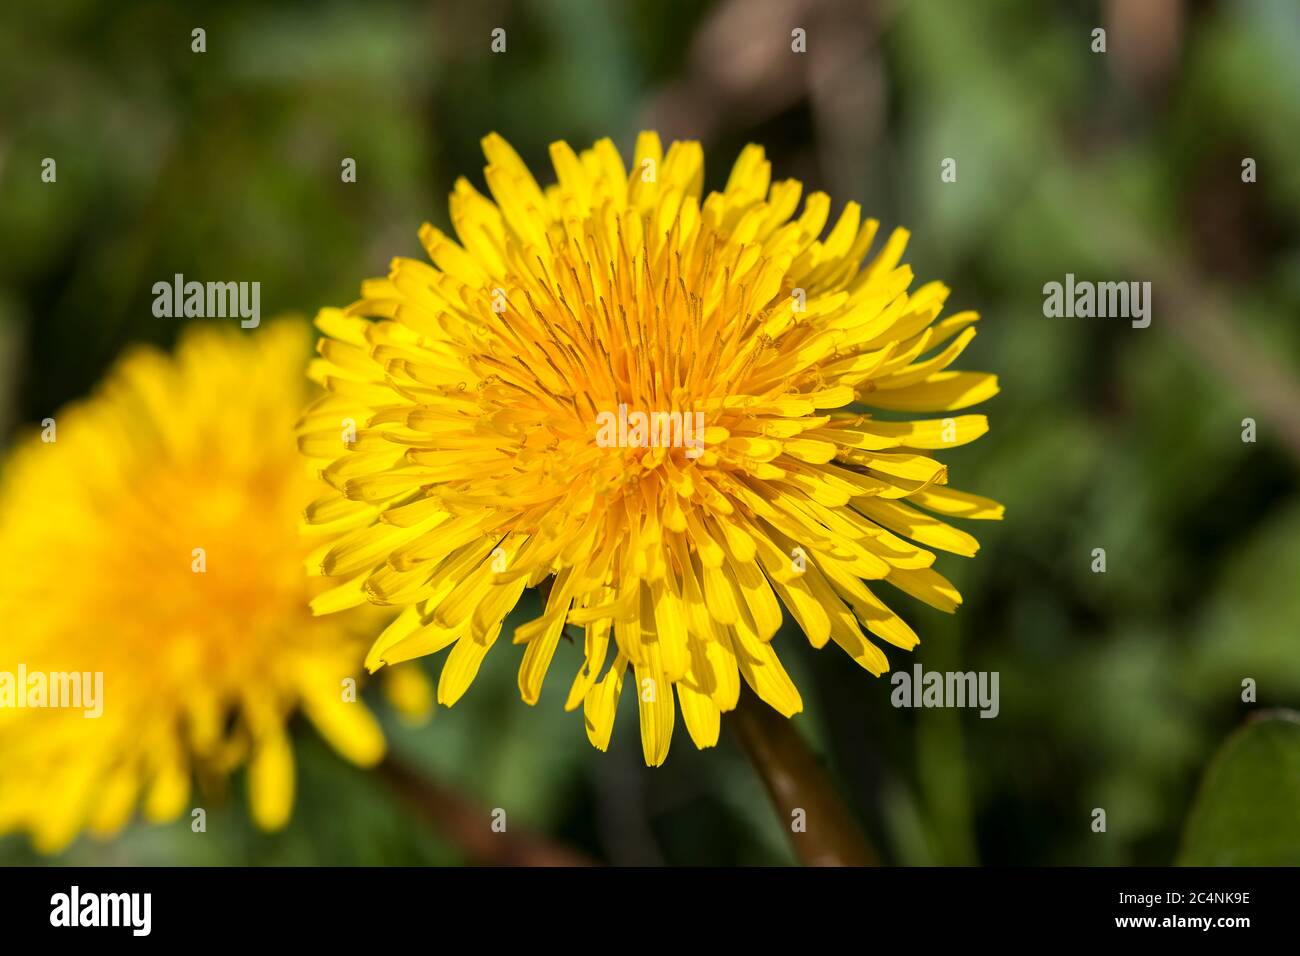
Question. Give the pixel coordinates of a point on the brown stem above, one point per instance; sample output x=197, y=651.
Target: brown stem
x=797, y=782
x=468, y=826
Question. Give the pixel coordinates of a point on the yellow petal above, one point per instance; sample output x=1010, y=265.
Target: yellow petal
x=701, y=715
x=270, y=780
x=601, y=704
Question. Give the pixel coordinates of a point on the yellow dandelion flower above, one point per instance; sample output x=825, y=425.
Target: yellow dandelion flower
x=151, y=555
x=663, y=406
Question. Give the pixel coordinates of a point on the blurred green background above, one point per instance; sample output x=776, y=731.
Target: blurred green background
x=1116, y=688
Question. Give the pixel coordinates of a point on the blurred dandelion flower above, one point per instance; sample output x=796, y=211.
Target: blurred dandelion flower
x=514, y=408
x=156, y=542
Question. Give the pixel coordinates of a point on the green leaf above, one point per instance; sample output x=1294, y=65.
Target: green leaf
x=1247, y=812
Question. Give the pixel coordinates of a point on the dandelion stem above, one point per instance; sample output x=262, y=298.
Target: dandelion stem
x=468, y=826
x=797, y=782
